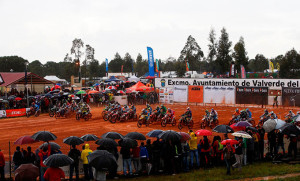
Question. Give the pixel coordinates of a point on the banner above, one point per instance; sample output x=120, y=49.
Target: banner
x=252, y=95
x=180, y=93
x=243, y=72
x=2, y=113
x=216, y=94
x=272, y=83
x=106, y=64
x=15, y=112
x=195, y=94
x=187, y=66
x=290, y=96
x=166, y=95
x=150, y=61
x=231, y=74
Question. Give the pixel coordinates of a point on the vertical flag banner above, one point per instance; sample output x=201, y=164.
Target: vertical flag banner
x=187, y=66
x=150, y=61
x=157, y=66
x=272, y=66
x=106, y=64
x=231, y=70
x=121, y=69
x=243, y=72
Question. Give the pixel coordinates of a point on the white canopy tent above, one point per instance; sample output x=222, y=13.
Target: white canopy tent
x=134, y=78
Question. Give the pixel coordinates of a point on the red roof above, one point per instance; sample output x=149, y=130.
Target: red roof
x=140, y=87
x=19, y=78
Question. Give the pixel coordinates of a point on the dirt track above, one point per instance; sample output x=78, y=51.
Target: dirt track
x=13, y=128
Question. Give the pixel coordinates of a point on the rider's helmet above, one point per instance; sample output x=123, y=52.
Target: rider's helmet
x=212, y=109
x=237, y=109
x=266, y=111
x=290, y=111
x=144, y=111
x=247, y=110
x=125, y=106
x=169, y=110
x=161, y=105
x=148, y=105
x=206, y=111
x=157, y=107
x=132, y=106
x=298, y=112
x=188, y=108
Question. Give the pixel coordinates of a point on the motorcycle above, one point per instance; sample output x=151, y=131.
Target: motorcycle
x=205, y=122
x=234, y=119
x=63, y=112
x=80, y=115
x=184, y=122
x=32, y=112
x=115, y=117
x=155, y=117
x=142, y=120
x=262, y=120
x=168, y=120
x=52, y=111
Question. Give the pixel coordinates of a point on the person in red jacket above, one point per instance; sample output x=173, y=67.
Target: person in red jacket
x=54, y=174
x=43, y=154
x=2, y=164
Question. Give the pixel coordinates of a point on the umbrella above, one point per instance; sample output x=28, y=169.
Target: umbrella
x=279, y=123
x=80, y=92
x=58, y=84
x=11, y=97
x=48, y=95
x=26, y=172
x=269, y=125
x=184, y=136
x=102, y=160
x=94, y=92
x=54, y=146
x=252, y=129
x=57, y=87
x=107, y=142
x=236, y=128
x=95, y=85
x=242, y=134
x=76, y=98
x=203, y=132
x=121, y=92
x=223, y=129
x=243, y=124
x=111, y=88
x=135, y=136
x=43, y=136
x=290, y=129
x=170, y=135
x=18, y=98
x=24, y=140
x=128, y=142
x=112, y=135
x=89, y=137
x=229, y=141
x=58, y=160
x=154, y=133
x=73, y=140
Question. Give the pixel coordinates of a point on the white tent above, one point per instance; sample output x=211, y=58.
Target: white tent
x=54, y=78
x=134, y=78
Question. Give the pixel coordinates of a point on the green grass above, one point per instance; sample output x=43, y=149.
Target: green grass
x=219, y=173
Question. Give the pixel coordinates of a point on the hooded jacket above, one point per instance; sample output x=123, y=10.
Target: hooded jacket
x=85, y=153
x=193, y=141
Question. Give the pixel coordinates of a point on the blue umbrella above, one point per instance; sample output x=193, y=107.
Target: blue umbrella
x=58, y=84
x=96, y=85
x=154, y=133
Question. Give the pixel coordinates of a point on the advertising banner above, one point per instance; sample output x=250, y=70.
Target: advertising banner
x=150, y=61
x=166, y=95
x=180, y=93
x=252, y=95
x=106, y=65
x=15, y=112
x=2, y=113
x=217, y=94
x=290, y=96
x=271, y=83
x=195, y=94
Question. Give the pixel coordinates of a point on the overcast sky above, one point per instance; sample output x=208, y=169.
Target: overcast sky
x=44, y=30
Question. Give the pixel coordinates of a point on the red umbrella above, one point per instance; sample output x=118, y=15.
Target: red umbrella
x=24, y=140
x=121, y=92
x=93, y=92
x=184, y=136
x=18, y=98
x=229, y=141
x=111, y=87
x=237, y=128
x=57, y=87
x=203, y=132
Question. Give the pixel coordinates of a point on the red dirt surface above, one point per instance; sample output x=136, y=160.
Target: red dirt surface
x=13, y=128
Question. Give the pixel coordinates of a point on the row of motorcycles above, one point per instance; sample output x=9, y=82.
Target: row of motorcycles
x=67, y=111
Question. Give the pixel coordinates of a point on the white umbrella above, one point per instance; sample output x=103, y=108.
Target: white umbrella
x=241, y=134
x=269, y=125
x=279, y=123
x=298, y=118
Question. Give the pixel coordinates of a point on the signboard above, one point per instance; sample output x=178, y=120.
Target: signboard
x=252, y=95
x=291, y=96
x=217, y=94
x=15, y=112
x=166, y=95
x=195, y=94
x=271, y=83
x=2, y=113
x=180, y=93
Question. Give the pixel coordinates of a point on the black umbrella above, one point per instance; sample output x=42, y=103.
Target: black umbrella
x=112, y=135
x=43, y=136
x=252, y=129
x=170, y=135
x=102, y=160
x=58, y=160
x=89, y=137
x=135, y=136
x=154, y=133
x=223, y=129
x=73, y=140
x=128, y=142
x=107, y=142
x=54, y=146
x=290, y=129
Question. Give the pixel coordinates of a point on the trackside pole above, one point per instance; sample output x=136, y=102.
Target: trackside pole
x=9, y=160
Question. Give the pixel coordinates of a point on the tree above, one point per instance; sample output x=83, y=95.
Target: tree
x=77, y=46
x=290, y=65
x=192, y=53
x=116, y=63
x=240, y=54
x=141, y=65
x=12, y=63
x=37, y=68
x=128, y=63
x=93, y=68
x=180, y=68
x=67, y=58
x=212, y=46
x=258, y=64
x=170, y=64
x=223, y=53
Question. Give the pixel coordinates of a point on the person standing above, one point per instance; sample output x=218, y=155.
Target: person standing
x=228, y=152
x=125, y=151
x=88, y=174
x=275, y=101
x=29, y=157
x=75, y=155
x=261, y=143
x=136, y=159
x=43, y=154
x=280, y=142
x=18, y=157
x=144, y=156
x=239, y=155
x=2, y=165
x=193, y=149
x=292, y=146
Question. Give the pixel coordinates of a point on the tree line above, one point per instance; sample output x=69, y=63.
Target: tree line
x=220, y=56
